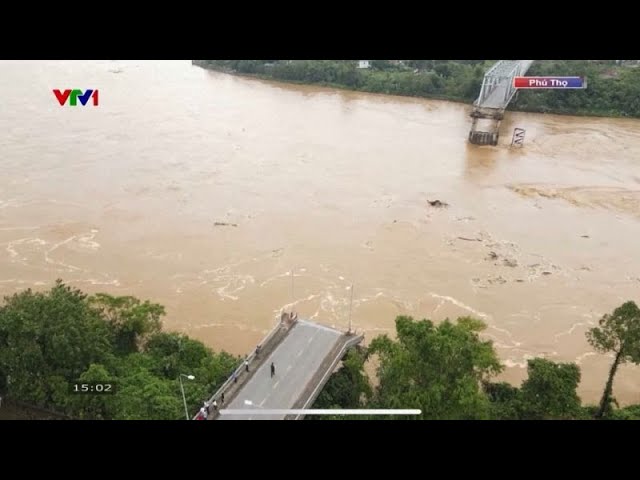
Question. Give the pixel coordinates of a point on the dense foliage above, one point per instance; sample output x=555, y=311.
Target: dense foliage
x=50, y=340
x=612, y=90
x=446, y=372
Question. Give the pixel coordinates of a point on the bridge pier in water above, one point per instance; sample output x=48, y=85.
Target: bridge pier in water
x=488, y=132
x=497, y=91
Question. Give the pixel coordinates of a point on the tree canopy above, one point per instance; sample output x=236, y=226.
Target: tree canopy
x=618, y=333
x=51, y=340
x=446, y=370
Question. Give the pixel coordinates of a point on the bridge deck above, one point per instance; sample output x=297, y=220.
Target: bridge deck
x=496, y=99
x=503, y=71
x=297, y=360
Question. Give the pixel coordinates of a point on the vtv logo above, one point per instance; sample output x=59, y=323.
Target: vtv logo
x=74, y=95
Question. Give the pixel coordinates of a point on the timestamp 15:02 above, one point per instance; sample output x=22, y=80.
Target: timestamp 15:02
x=93, y=387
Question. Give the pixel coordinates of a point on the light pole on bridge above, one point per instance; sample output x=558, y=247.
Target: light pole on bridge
x=184, y=399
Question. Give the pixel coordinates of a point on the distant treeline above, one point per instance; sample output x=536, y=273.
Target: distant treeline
x=612, y=90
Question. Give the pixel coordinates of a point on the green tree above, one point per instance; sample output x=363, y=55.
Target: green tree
x=349, y=387
x=93, y=406
x=438, y=369
x=550, y=390
x=143, y=396
x=505, y=400
x=47, y=340
x=617, y=333
x=174, y=354
x=632, y=412
x=50, y=340
x=131, y=319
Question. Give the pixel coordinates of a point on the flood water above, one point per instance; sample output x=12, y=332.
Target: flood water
x=330, y=185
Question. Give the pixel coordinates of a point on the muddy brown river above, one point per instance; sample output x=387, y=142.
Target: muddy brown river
x=331, y=185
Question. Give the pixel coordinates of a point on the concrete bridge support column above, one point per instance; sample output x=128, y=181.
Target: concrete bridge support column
x=487, y=133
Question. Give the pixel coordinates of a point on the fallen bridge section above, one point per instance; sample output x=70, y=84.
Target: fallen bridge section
x=497, y=91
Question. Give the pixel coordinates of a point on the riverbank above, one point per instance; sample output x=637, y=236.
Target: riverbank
x=613, y=90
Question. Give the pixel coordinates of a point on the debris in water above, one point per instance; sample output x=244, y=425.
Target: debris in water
x=585, y=236
x=508, y=262
x=499, y=280
x=437, y=203
x=520, y=280
x=224, y=224
x=470, y=239
x=492, y=256
x=546, y=273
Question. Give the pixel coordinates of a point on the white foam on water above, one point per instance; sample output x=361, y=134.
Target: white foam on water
x=48, y=259
x=275, y=277
x=458, y=303
x=208, y=325
x=510, y=363
x=87, y=240
x=94, y=281
x=8, y=229
x=502, y=330
x=570, y=331
x=440, y=304
x=580, y=358
x=237, y=281
x=11, y=247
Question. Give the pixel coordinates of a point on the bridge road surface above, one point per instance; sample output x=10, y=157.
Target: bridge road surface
x=297, y=360
x=496, y=99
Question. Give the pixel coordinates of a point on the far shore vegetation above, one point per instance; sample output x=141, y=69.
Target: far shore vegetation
x=613, y=86
x=53, y=338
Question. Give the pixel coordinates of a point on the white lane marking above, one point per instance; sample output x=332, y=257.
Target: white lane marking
x=289, y=368
x=276, y=384
x=300, y=353
x=310, y=340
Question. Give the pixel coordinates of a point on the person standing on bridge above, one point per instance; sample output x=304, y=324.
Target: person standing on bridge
x=246, y=365
x=273, y=369
x=222, y=399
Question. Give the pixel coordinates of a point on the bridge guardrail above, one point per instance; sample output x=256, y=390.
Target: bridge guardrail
x=348, y=344
x=249, y=358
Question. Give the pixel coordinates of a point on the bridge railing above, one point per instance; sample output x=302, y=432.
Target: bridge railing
x=249, y=358
x=501, y=74
x=355, y=340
